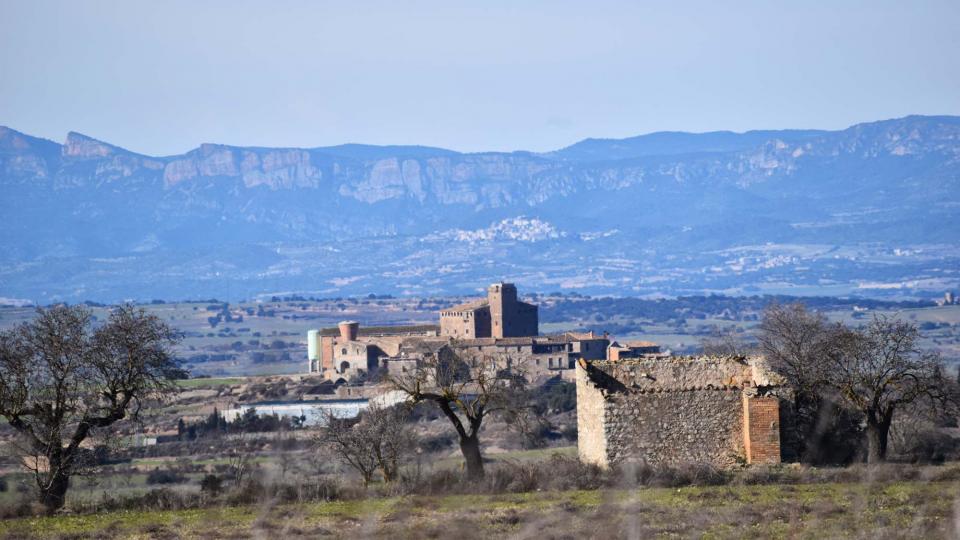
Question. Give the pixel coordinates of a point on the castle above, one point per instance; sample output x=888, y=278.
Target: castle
x=499, y=326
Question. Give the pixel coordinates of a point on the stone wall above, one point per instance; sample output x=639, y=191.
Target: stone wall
x=675, y=427
x=591, y=418
x=678, y=410
x=465, y=323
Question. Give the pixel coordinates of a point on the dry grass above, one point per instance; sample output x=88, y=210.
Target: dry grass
x=886, y=509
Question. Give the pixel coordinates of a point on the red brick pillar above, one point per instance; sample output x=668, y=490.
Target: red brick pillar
x=761, y=429
x=326, y=353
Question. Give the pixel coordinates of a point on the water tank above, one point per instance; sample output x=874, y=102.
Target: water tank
x=349, y=330
x=313, y=345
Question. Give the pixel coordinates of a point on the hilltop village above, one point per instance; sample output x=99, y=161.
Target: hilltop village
x=632, y=398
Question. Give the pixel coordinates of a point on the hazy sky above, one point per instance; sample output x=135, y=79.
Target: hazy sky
x=163, y=77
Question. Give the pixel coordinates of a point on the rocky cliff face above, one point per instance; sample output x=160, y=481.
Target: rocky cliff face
x=892, y=181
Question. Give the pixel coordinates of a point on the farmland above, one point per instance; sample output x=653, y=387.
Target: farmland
x=914, y=509
x=268, y=336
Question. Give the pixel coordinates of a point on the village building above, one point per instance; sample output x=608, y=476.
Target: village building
x=500, y=315
x=350, y=352
x=621, y=350
x=537, y=358
x=680, y=410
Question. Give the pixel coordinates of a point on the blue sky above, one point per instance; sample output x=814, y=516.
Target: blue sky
x=163, y=77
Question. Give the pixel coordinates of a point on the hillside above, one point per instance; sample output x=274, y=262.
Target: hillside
x=871, y=210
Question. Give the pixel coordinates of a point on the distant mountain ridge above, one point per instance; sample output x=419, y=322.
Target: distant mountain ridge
x=241, y=210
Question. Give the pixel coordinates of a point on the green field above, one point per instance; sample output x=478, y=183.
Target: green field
x=888, y=510
x=208, y=382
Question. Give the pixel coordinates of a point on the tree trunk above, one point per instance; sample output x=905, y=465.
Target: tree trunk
x=878, y=431
x=389, y=471
x=470, y=447
x=54, y=494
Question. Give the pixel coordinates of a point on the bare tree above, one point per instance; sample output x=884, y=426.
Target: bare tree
x=240, y=458
x=61, y=381
x=878, y=370
x=842, y=376
x=466, y=388
x=378, y=440
x=795, y=341
x=725, y=343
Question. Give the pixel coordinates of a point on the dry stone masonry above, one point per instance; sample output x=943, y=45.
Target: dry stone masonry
x=674, y=410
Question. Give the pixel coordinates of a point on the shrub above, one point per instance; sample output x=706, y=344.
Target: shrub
x=557, y=397
x=538, y=435
x=556, y=473
x=692, y=474
x=931, y=446
x=164, y=476
x=22, y=507
x=157, y=499
x=437, y=443
x=570, y=473
x=211, y=484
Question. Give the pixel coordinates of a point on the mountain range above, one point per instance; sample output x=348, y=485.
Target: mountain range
x=870, y=210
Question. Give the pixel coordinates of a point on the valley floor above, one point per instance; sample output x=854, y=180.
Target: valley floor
x=903, y=509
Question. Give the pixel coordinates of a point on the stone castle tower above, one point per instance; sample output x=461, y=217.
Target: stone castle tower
x=500, y=315
x=508, y=316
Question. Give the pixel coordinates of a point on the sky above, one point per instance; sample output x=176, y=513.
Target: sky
x=163, y=77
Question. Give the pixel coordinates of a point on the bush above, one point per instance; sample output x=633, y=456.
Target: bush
x=692, y=474
x=931, y=446
x=565, y=473
x=255, y=491
x=211, y=484
x=437, y=443
x=164, y=476
x=538, y=435
x=22, y=507
x=557, y=397
x=556, y=473
x=157, y=499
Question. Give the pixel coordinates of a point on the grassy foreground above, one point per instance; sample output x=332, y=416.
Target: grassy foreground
x=914, y=509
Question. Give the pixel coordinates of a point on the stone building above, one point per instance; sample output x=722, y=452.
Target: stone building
x=500, y=315
x=621, y=350
x=349, y=351
x=676, y=410
x=535, y=357
x=500, y=327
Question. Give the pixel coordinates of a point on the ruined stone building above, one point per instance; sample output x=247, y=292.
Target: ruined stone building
x=676, y=410
x=500, y=315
